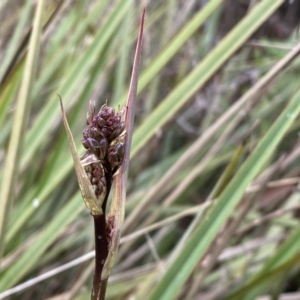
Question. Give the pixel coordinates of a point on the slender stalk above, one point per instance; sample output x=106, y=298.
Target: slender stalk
x=101, y=243
x=117, y=208
x=101, y=253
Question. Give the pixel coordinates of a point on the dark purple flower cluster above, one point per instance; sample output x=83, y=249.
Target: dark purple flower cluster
x=96, y=175
x=103, y=141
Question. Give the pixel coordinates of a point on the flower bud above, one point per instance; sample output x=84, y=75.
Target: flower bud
x=95, y=132
x=116, y=154
x=106, y=112
x=97, y=179
x=85, y=143
x=103, y=147
x=110, y=122
x=85, y=133
x=104, y=132
x=94, y=145
x=119, y=128
x=100, y=122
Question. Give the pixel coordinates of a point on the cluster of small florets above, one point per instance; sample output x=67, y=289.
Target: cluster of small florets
x=103, y=141
x=96, y=175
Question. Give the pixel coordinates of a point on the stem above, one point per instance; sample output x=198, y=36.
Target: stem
x=109, y=180
x=101, y=242
x=103, y=229
x=101, y=252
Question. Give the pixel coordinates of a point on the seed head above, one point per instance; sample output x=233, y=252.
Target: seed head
x=104, y=141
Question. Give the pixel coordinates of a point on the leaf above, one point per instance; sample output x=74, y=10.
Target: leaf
x=75, y=75
x=287, y=251
x=19, y=127
x=202, y=73
x=33, y=254
x=177, y=42
x=85, y=186
x=199, y=242
x=117, y=209
x=12, y=47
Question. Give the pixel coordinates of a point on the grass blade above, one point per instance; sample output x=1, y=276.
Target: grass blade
x=183, y=265
x=202, y=73
x=117, y=209
x=47, y=236
x=20, y=122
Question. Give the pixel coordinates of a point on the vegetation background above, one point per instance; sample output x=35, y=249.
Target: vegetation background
x=213, y=193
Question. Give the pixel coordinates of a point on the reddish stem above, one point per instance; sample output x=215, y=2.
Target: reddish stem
x=101, y=252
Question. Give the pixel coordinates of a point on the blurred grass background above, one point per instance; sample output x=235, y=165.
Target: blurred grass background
x=213, y=193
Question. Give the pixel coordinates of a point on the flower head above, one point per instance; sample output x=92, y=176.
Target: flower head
x=104, y=141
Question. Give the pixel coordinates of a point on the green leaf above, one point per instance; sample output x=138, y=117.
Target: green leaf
x=202, y=73
x=283, y=255
x=177, y=42
x=46, y=237
x=10, y=52
x=60, y=164
x=73, y=78
x=20, y=122
x=199, y=242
